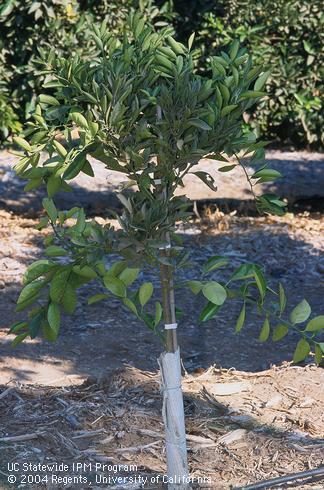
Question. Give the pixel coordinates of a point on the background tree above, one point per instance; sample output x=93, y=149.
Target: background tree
x=140, y=107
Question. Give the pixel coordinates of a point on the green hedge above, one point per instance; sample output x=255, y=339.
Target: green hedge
x=27, y=26
x=287, y=36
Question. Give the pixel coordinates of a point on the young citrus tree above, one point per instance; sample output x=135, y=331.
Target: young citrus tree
x=141, y=109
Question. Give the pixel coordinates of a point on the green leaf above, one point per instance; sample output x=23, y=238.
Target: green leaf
x=127, y=302
x=265, y=331
x=28, y=302
x=214, y=292
x=191, y=40
x=315, y=324
x=50, y=208
x=54, y=317
x=79, y=120
x=241, y=319
x=30, y=291
x=60, y=148
x=97, y=297
x=145, y=292
x=81, y=221
x=115, y=286
x=158, y=313
x=206, y=178
x=261, y=80
x=208, y=312
x=260, y=280
x=85, y=271
x=195, y=286
x=234, y=49
x=266, y=173
x=59, y=284
x=215, y=262
x=282, y=299
x=175, y=46
x=318, y=354
x=75, y=167
x=35, y=324
x=279, y=332
x=302, y=350
x=308, y=48
x=227, y=110
x=53, y=185
x=199, y=123
x=55, y=251
x=87, y=169
x=245, y=271
x=48, y=99
x=301, y=312
x=48, y=332
x=22, y=143
x=37, y=269
x=69, y=300
x=43, y=222
x=227, y=168
x=129, y=275
x=117, y=268
x=16, y=327
x=19, y=339
x=252, y=94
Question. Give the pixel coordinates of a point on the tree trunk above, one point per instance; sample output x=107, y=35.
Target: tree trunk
x=173, y=409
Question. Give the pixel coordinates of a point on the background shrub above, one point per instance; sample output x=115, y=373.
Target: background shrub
x=284, y=34
x=30, y=26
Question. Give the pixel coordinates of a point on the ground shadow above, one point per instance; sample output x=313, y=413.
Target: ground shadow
x=101, y=337
x=302, y=186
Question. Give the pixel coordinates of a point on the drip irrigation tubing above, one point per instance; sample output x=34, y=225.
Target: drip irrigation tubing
x=284, y=479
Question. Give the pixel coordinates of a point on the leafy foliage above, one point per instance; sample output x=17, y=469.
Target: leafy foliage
x=41, y=25
x=140, y=107
x=284, y=35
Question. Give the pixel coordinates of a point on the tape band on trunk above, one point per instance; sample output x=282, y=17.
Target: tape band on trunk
x=170, y=326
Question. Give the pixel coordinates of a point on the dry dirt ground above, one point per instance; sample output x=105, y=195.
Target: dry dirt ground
x=115, y=418
x=241, y=428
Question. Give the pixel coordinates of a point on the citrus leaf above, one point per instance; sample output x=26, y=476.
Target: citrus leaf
x=215, y=262
x=158, y=313
x=145, y=292
x=129, y=275
x=279, y=332
x=55, y=251
x=315, y=324
x=302, y=350
x=318, y=354
x=195, y=286
x=265, y=331
x=127, y=302
x=214, y=292
x=301, y=312
x=208, y=312
x=115, y=286
x=49, y=206
x=207, y=179
x=54, y=317
x=240, y=320
x=97, y=297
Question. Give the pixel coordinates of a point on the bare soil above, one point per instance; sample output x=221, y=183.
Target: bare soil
x=267, y=425
x=302, y=185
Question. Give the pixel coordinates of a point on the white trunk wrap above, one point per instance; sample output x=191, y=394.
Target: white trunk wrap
x=173, y=417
